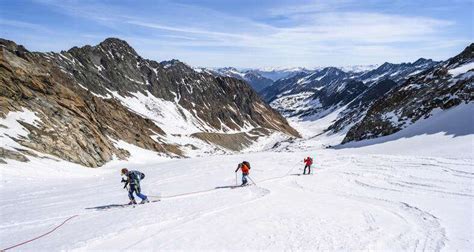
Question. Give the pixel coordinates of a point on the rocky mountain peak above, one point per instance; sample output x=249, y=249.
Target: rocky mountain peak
x=466, y=55
x=229, y=69
x=9, y=45
x=108, y=94
x=422, y=61
x=385, y=66
x=117, y=45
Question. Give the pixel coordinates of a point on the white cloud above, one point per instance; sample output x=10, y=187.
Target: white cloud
x=320, y=33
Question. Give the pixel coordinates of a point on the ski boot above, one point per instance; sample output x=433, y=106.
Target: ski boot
x=144, y=201
x=132, y=202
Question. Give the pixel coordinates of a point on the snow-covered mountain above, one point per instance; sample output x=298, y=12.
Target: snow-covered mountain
x=83, y=105
x=261, y=78
x=363, y=99
x=313, y=95
x=253, y=78
x=333, y=78
x=445, y=86
x=276, y=73
x=358, y=68
x=410, y=190
x=396, y=72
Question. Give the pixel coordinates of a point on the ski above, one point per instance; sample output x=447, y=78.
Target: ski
x=115, y=206
x=240, y=186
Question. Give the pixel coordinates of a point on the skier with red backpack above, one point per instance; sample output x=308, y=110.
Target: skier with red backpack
x=245, y=168
x=308, y=162
x=132, y=179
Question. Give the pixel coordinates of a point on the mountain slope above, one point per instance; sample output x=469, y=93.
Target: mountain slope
x=86, y=100
x=449, y=84
x=328, y=85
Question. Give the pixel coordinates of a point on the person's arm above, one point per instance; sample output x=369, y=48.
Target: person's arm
x=125, y=181
x=238, y=167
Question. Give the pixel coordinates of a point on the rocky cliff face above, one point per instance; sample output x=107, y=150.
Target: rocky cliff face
x=449, y=84
x=87, y=99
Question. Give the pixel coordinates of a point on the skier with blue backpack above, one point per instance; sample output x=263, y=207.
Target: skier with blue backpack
x=132, y=180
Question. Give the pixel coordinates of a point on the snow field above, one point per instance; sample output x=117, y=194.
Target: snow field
x=350, y=202
x=409, y=191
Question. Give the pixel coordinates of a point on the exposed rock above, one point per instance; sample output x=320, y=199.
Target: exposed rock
x=235, y=142
x=9, y=154
x=441, y=87
x=75, y=125
x=74, y=94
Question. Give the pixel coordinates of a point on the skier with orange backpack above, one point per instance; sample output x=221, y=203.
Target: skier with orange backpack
x=308, y=162
x=245, y=168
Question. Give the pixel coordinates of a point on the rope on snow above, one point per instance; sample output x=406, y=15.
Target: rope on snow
x=160, y=197
x=43, y=235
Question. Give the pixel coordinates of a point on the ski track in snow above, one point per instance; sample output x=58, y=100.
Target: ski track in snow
x=356, y=199
x=349, y=202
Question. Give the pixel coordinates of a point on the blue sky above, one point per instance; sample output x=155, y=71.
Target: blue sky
x=244, y=33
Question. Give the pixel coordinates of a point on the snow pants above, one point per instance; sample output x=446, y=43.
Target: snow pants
x=135, y=189
x=244, y=179
x=309, y=169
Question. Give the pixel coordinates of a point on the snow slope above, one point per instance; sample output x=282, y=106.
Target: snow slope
x=356, y=199
x=448, y=133
x=351, y=202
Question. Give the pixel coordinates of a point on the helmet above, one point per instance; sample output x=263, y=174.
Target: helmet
x=124, y=171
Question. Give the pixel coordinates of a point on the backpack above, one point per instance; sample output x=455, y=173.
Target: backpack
x=137, y=175
x=246, y=164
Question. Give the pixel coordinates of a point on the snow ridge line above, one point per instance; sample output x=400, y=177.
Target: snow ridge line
x=41, y=236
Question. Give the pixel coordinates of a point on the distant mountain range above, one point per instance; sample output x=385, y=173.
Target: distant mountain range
x=375, y=102
x=259, y=79
x=89, y=104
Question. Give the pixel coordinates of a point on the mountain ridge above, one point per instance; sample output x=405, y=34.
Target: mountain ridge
x=89, y=98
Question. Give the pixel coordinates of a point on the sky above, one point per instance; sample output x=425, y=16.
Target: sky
x=249, y=34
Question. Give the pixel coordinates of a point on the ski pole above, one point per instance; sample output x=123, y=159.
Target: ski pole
x=252, y=180
x=236, y=181
x=288, y=173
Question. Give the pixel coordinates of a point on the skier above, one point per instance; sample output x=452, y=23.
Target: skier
x=133, y=179
x=308, y=162
x=245, y=168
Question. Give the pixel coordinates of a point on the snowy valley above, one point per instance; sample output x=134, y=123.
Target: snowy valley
x=393, y=150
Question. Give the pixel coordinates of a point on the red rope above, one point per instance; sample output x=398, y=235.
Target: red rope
x=164, y=197
x=43, y=235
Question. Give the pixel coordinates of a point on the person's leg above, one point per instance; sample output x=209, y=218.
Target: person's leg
x=130, y=192
x=139, y=193
x=304, y=171
x=309, y=169
x=244, y=179
x=131, y=189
